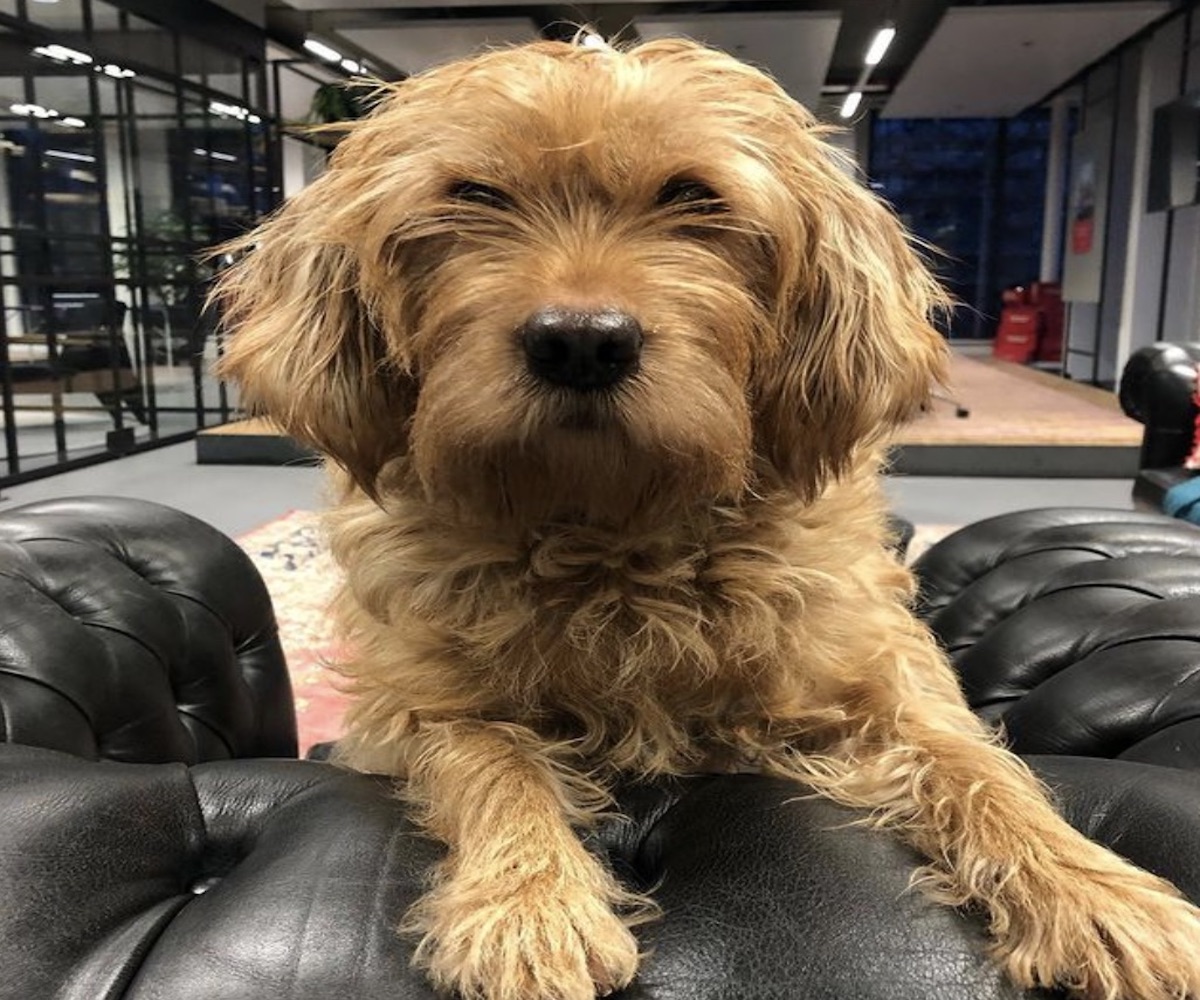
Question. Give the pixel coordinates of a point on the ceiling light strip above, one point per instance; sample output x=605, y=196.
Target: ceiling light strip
x=331, y=55
x=322, y=51
x=875, y=53
x=879, y=46
x=851, y=103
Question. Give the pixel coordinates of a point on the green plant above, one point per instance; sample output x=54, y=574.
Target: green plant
x=342, y=101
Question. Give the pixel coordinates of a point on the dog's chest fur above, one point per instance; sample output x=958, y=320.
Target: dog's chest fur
x=656, y=651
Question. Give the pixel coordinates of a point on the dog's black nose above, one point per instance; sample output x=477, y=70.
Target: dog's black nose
x=581, y=349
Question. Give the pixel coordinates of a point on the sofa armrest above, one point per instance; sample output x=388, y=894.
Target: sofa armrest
x=1156, y=390
x=133, y=632
x=1076, y=630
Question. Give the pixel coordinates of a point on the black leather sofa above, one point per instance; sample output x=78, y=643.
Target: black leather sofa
x=158, y=841
x=1157, y=388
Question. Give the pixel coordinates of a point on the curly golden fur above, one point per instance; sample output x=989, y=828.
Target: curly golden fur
x=547, y=588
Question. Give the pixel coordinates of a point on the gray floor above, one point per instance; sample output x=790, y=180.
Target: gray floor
x=940, y=500
x=236, y=498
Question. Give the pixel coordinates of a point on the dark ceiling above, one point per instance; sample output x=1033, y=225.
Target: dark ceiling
x=829, y=37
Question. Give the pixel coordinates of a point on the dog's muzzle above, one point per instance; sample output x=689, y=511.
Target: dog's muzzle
x=585, y=350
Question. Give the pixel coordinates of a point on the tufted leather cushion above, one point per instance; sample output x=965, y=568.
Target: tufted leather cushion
x=282, y=881
x=1077, y=629
x=133, y=632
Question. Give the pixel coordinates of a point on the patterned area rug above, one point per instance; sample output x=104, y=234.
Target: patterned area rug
x=926, y=535
x=301, y=578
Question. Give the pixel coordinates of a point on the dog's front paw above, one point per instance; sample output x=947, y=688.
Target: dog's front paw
x=534, y=940
x=1123, y=936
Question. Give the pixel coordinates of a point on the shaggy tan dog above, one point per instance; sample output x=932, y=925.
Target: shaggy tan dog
x=605, y=345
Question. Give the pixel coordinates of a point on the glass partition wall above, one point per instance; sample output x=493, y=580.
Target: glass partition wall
x=127, y=150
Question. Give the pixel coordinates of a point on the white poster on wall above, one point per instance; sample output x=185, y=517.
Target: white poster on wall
x=1083, y=263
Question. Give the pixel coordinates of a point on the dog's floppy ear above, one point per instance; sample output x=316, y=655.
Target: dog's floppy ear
x=305, y=350
x=855, y=352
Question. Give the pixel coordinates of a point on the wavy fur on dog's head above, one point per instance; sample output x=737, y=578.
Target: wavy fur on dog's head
x=785, y=315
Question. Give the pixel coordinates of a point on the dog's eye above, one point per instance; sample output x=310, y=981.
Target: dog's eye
x=474, y=193
x=691, y=195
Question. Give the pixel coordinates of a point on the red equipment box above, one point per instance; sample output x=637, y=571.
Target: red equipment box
x=1031, y=324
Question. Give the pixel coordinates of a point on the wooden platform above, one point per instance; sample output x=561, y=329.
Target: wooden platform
x=250, y=442
x=1022, y=422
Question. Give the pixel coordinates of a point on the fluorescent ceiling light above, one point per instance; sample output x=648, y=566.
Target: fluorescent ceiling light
x=851, y=103
x=879, y=46
x=213, y=154
x=330, y=54
x=233, y=111
x=60, y=53
x=73, y=122
x=32, y=111
x=321, y=50
x=62, y=154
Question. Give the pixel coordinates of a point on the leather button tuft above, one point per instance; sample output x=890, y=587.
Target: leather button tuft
x=202, y=885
